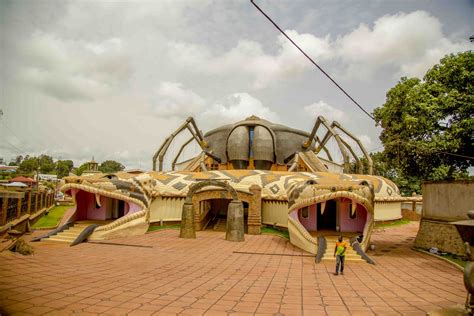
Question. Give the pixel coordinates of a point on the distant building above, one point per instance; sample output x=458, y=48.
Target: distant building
x=5, y=168
x=26, y=180
x=48, y=177
x=92, y=168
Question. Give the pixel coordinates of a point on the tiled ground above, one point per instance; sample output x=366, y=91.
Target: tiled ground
x=205, y=276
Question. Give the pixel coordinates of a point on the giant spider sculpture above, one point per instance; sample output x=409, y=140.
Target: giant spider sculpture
x=256, y=143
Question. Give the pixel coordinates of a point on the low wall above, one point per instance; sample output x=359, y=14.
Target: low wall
x=387, y=211
x=439, y=234
x=444, y=202
x=410, y=215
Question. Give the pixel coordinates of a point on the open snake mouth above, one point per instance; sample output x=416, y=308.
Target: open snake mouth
x=103, y=206
x=346, y=210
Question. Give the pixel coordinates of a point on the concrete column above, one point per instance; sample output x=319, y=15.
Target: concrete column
x=235, y=221
x=254, y=219
x=187, y=222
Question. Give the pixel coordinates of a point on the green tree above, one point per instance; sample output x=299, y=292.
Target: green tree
x=28, y=165
x=46, y=164
x=17, y=161
x=63, y=167
x=78, y=171
x=428, y=125
x=110, y=166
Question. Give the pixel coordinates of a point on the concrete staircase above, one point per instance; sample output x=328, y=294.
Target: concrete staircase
x=70, y=234
x=220, y=225
x=351, y=254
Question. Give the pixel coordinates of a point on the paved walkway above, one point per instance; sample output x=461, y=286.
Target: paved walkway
x=205, y=276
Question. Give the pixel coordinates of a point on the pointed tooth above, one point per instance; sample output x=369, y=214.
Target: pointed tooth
x=97, y=199
x=323, y=207
x=353, y=207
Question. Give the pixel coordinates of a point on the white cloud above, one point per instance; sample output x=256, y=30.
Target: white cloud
x=247, y=58
x=366, y=141
x=411, y=43
x=236, y=107
x=408, y=42
x=322, y=108
x=172, y=100
x=66, y=69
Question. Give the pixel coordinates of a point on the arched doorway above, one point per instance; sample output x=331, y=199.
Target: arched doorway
x=235, y=227
x=213, y=214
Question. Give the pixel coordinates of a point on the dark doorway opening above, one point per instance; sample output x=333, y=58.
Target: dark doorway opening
x=327, y=220
x=120, y=208
x=218, y=214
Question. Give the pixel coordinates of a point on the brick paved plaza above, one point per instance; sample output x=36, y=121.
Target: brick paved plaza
x=167, y=275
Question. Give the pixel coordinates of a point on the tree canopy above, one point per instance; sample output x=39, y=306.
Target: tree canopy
x=28, y=165
x=110, y=166
x=63, y=167
x=428, y=124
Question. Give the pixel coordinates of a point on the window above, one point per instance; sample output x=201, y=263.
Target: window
x=351, y=215
x=305, y=212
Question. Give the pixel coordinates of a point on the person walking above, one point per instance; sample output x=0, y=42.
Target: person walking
x=340, y=253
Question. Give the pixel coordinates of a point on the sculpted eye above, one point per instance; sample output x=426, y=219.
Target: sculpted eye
x=311, y=182
x=333, y=189
x=364, y=182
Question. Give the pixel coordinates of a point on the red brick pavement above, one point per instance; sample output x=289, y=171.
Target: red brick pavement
x=205, y=276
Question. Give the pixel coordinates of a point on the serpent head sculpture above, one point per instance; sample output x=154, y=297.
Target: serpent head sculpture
x=122, y=202
x=311, y=199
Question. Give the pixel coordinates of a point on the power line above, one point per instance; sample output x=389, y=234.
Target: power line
x=313, y=62
x=19, y=150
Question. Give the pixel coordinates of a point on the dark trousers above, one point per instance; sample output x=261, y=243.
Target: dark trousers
x=339, y=262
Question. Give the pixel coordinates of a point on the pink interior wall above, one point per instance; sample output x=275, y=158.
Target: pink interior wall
x=129, y=209
x=86, y=207
x=310, y=222
x=351, y=225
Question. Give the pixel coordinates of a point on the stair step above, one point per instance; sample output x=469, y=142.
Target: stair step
x=68, y=235
x=62, y=239
x=351, y=254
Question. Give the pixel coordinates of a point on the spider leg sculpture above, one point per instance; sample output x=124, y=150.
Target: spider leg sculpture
x=191, y=126
x=370, y=164
x=331, y=133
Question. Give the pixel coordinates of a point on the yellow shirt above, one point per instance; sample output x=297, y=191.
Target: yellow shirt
x=341, y=248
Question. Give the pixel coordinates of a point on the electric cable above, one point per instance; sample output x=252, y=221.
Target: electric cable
x=313, y=62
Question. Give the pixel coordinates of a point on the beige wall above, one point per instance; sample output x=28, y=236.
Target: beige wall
x=275, y=212
x=448, y=200
x=387, y=211
x=166, y=209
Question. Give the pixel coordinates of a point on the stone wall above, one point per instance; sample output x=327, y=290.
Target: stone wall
x=439, y=234
x=410, y=215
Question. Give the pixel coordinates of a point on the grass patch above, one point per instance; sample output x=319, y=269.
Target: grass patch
x=274, y=231
x=155, y=228
x=449, y=256
x=53, y=217
x=392, y=224
x=455, y=259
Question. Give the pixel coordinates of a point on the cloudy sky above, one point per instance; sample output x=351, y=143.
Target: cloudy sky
x=112, y=79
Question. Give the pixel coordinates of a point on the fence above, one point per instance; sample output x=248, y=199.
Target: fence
x=14, y=205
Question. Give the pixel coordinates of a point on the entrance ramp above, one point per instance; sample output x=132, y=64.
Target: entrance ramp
x=313, y=163
x=351, y=254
